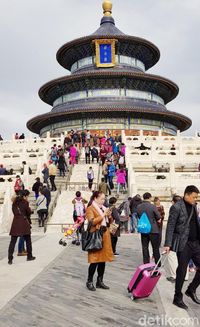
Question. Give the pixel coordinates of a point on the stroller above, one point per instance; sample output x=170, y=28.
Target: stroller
x=71, y=233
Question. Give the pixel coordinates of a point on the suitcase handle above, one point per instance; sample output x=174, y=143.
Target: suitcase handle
x=156, y=267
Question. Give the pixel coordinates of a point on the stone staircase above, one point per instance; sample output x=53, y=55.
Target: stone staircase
x=63, y=212
x=61, y=184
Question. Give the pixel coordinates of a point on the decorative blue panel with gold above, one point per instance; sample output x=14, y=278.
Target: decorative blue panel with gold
x=105, y=53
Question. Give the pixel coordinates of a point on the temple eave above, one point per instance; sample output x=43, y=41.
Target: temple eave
x=180, y=121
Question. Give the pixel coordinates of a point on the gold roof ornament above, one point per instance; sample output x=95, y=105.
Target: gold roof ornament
x=107, y=8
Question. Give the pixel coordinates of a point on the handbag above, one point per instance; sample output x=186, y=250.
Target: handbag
x=113, y=228
x=92, y=241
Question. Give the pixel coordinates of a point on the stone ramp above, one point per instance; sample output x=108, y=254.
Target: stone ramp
x=57, y=297
x=51, y=292
x=13, y=278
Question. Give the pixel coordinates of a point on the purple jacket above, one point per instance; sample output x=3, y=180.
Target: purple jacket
x=121, y=176
x=72, y=151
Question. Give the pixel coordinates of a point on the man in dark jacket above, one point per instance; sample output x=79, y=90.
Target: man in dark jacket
x=183, y=237
x=153, y=237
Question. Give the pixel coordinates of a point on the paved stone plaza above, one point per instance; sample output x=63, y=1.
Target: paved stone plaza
x=57, y=296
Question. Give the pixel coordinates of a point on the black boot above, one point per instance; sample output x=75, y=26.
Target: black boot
x=100, y=284
x=90, y=285
x=31, y=258
x=192, y=295
x=178, y=301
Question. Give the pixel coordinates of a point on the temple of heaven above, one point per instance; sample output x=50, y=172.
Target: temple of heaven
x=108, y=88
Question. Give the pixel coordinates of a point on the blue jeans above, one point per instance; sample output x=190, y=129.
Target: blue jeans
x=133, y=222
x=21, y=247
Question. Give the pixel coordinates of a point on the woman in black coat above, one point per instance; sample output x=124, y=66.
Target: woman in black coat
x=62, y=165
x=21, y=225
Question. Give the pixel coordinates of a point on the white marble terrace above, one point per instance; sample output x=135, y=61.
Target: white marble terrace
x=144, y=175
x=146, y=171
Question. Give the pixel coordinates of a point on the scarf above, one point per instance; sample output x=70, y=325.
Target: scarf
x=101, y=211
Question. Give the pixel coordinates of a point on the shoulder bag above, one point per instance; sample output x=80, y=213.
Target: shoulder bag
x=92, y=241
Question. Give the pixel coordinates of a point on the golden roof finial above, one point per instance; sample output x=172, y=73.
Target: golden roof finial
x=107, y=8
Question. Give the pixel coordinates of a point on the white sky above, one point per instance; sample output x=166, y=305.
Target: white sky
x=31, y=32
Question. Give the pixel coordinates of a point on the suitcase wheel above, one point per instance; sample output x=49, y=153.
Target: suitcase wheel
x=60, y=242
x=64, y=243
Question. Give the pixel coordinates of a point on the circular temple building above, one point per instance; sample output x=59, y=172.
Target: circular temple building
x=108, y=88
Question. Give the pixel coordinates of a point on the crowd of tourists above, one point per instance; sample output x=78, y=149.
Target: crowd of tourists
x=182, y=240
x=106, y=215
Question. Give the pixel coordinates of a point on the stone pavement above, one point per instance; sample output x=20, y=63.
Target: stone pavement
x=57, y=296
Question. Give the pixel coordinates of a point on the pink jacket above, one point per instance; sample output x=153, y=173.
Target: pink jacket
x=72, y=151
x=123, y=150
x=121, y=176
x=103, y=140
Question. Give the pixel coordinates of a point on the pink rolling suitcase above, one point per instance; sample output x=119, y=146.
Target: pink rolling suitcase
x=144, y=280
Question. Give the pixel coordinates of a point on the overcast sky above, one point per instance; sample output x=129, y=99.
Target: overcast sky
x=31, y=32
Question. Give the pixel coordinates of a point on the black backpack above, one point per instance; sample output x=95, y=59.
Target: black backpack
x=121, y=207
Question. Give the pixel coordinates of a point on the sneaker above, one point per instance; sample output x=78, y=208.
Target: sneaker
x=171, y=279
x=116, y=253
x=10, y=262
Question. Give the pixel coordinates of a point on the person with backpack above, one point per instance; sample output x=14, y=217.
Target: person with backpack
x=53, y=155
x=79, y=205
x=19, y=185
x=42, y=209
x=116, y=219
x=95, y=154
x=87, y=153
x=36, y=186
x=153, y=217
x=121, y=179
x=90, y=177
x=135, y=201
x=111, y=174
x=45, y=173
x=79, y=211
x=124, y=210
